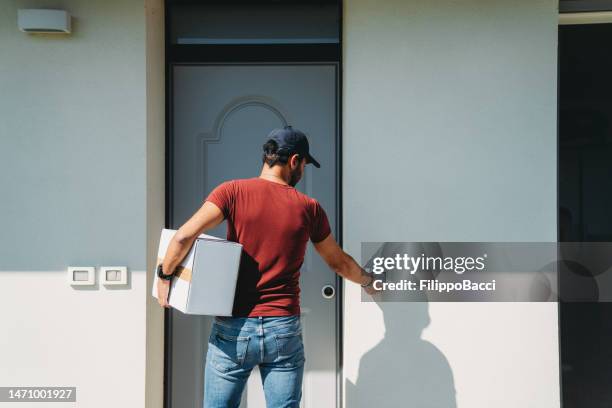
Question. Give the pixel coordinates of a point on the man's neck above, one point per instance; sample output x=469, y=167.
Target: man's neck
x=273, y=176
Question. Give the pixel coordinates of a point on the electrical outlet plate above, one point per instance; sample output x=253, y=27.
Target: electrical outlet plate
x=82, y=275
x=113, y=275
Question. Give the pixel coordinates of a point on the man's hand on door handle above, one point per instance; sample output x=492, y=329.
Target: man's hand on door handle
x=368, y=283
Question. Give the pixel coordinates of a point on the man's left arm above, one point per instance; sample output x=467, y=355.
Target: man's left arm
x=343, y=264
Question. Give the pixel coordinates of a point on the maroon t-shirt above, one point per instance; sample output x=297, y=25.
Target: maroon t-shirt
x=273, y=222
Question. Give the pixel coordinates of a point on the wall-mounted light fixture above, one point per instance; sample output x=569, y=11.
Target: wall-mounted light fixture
x=43, y=21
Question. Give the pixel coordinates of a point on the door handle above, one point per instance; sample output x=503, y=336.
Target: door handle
x=328, y=291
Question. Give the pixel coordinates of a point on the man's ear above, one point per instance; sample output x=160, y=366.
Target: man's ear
x=294, y=160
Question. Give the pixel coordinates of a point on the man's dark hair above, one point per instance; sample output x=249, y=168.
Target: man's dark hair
x=272, y=155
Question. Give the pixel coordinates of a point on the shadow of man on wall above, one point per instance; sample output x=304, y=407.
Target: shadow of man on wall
x=402, y=370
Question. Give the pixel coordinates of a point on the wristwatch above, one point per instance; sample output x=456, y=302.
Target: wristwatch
x=365, y=285
x=162, y=275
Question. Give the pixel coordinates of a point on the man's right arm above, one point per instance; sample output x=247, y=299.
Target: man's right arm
x=207, y=217
x=342, y=263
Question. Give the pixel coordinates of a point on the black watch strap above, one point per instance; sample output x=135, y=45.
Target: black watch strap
x=162, y=275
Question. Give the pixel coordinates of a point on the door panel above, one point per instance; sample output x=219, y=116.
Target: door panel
x=221, y=116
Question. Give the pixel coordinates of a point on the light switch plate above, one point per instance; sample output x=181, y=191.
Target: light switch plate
x=113, y=275
x=81, y=275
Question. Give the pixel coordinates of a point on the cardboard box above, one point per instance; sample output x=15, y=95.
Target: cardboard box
x=205, y=282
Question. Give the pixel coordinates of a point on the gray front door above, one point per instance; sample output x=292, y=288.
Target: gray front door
x=220, y=117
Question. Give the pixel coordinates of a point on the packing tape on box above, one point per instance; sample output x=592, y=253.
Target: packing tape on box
x=181, y=272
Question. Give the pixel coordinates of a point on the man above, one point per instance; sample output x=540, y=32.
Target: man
x=273, y=221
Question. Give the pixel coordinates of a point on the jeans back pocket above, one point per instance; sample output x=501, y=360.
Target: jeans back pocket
x=289, y=344
x=228, y=351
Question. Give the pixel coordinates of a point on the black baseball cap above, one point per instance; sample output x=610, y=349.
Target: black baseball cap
x=294, y=141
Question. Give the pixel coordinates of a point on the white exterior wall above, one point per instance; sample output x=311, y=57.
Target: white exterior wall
x=81, y=156
x=449, y=135
x=461, y=94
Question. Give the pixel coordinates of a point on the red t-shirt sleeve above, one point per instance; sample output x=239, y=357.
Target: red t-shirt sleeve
x=223, y=197
x=319, y=226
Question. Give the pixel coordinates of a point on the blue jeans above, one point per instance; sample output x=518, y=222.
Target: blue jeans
x=237, y=344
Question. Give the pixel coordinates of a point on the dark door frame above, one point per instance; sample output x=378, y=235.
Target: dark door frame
x=273, y=54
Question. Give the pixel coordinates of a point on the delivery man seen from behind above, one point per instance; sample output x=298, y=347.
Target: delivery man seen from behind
x=273, y=221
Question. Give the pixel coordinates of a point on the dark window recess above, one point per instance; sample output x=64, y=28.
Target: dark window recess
x=233, y=22
x=578, y=6
x=585, y=203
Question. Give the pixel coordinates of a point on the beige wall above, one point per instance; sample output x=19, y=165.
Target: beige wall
x=155, y=100
x=81, y=150
x=449, y=118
